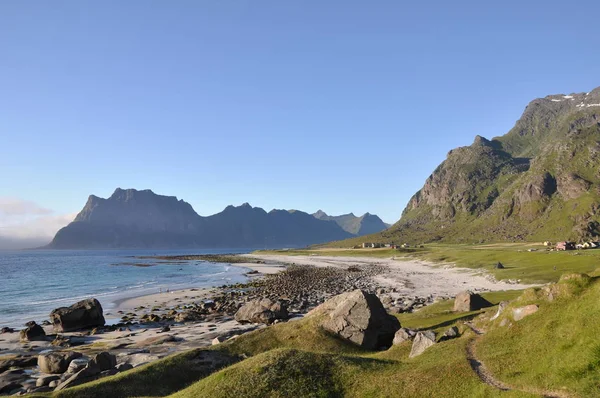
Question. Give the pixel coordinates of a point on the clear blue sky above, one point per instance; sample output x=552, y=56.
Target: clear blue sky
x=339, y=105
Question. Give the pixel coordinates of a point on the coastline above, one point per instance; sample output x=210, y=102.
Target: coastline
x=149, y=327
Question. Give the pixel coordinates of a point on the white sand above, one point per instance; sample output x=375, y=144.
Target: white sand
x=409, y=277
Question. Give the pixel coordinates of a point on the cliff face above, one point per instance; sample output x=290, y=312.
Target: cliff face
x=539, y=181
x=142, y=219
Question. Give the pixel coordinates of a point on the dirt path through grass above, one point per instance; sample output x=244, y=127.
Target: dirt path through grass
x=486, y=376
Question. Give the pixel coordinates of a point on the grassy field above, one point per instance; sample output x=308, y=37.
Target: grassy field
x=537, y=266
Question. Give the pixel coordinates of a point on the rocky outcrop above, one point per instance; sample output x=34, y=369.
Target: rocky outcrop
x=83, y=314
x=468, y=301
x=422, y=341
x=33, y=332
x=538, y=188
x=359, y=317
x=261, y=311
x=56, y=362
x=514, y=187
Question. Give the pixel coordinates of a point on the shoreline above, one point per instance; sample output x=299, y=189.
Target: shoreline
x=149, y=327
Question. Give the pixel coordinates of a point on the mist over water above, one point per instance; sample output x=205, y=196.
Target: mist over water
x=33, y=283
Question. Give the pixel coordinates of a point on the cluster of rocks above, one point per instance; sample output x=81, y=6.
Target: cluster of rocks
x=305, y=287
x=59, y=370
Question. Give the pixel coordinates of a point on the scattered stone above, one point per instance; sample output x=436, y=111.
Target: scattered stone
x=501, y=308
x=359, y=317
x=12, y=380
x=522, y=312
x=450, y=334
x=217, y=340
x=422, y=341
x=33, y=332
x=45, y=380
x=53, y=384
x=467, y=301
x=124, y=367
x=402, y=335
x=18, y=362
x=76, y=365
x=103, y=361
x=7, y=330
x=56, y=361
x=87, y=374
x=261, y=311
x=165, y=329
x=499, y=265
x=83, y=314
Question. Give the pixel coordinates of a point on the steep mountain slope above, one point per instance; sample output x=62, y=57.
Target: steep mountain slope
x=142, y=219
x=363, y=225
x=540, y=181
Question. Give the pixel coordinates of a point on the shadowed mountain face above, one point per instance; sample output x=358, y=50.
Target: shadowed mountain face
x=540, y=181
x=363, y=225
x=142, y=219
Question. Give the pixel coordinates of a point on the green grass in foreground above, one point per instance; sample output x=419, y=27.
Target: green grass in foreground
x=531, y=267
x=557, y=348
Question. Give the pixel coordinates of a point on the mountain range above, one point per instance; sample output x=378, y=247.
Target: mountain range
x=540, y=181
x=142, y=219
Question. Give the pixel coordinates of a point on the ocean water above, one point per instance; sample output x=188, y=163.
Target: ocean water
x=33, y=283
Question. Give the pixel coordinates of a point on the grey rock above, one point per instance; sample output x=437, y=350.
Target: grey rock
x=124, y=367
x=449, y=334
x=103, y=361
x=18, y=362
x=83, y=314
x=422, y=341
x=45, y=380
x=33, y=332
x=56, y=361
x=12, y=380
x=522, y=312
x=402, y=335
x=85, y=375
x=359, y=317
x=261, y=311
x=76, y=365
x=468, y=301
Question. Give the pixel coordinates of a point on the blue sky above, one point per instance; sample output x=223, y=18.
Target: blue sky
x=339, y=105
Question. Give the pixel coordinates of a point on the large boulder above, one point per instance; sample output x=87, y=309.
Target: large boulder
x=422, y=341
x=467, y=301
x=359, y=317
x=83, y=314
x=261, y=311
x=57, y=361
x=33, y=332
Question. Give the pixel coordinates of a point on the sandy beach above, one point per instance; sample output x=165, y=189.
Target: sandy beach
x=146, y=328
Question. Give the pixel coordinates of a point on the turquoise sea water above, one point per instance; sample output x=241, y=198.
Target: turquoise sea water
x=33, y=283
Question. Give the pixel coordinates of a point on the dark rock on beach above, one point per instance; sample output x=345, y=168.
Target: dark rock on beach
x=83, y=314
x=57, y=361
x=33, y=332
